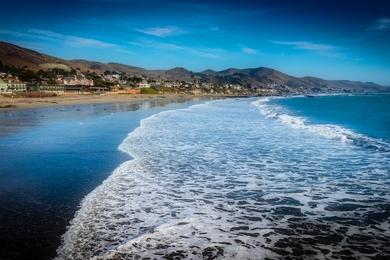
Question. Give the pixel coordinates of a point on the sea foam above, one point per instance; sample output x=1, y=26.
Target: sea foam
x=221, y=181
x=327, y=130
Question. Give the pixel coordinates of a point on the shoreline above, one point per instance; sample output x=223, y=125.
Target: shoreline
x=76, y=162
x=8, y=104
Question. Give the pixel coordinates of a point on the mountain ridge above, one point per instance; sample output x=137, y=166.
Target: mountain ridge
x=260, y=77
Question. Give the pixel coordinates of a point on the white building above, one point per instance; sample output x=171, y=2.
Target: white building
x=144, y=85
x=12, y=86
x=3, y=86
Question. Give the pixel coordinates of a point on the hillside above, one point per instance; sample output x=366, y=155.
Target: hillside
x=261, y=77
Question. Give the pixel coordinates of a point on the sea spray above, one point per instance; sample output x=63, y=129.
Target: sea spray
x=222, y=180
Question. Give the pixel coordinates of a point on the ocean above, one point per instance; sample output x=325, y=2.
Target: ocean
x=50, y=158
x=251, y=178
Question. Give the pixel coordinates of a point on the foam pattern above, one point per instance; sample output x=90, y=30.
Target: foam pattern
x=221, y=180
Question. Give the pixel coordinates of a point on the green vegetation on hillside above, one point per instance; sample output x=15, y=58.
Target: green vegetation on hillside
x=151, y=91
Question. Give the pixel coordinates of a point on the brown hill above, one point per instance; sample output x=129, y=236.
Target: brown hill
x=14, y=55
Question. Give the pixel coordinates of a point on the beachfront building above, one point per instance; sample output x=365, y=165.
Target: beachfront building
x=77, y=83
x=99, y=89
x=3, y=86
x=16, y=87
x=52, y=88
x=12, y=84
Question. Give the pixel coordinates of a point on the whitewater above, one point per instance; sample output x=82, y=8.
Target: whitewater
x=238, y=179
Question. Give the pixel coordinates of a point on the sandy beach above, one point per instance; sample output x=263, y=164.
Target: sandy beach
x=7, y=103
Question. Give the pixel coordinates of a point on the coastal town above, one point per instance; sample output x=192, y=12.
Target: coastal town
x=25, y=73
x=114, y=82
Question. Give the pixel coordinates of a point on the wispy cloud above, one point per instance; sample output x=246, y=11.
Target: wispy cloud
x=382, y=24
x=72, y=40
x=248, y=50
x=161, y=31
x=15, y=34
x=157, y=45
x=305, y=45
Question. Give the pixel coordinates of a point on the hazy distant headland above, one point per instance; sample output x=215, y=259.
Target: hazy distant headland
x=25, y=70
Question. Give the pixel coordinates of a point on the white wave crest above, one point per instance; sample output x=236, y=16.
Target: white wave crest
x=218, y=181
x=326, y=130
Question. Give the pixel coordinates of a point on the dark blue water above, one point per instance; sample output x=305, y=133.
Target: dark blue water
x=366, y=114
x=49, y=160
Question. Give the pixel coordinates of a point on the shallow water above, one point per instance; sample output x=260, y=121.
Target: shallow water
x=233, y=179
x=50, y=159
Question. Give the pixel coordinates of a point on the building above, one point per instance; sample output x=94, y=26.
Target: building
x=112, y=78
x=3, y=86
x=12, y=86
x=52, y=88
x=170, y=84
x=75, y=81
x=144, y=84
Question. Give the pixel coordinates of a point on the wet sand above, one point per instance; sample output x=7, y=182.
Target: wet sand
x=7, y=103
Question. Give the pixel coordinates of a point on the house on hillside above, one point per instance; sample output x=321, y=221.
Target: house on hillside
x=74, y=81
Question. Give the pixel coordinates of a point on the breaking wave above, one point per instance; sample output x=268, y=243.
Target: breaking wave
x=220, y=181
x=327, y=130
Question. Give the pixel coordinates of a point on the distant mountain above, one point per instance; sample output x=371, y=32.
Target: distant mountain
x=262, y=77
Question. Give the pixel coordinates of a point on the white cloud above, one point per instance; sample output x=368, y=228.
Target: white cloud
x=305, y=45
x=16, y=34
x=47, y=33
x=157, y=45
x=382, y=24
x=80, y=41
x=72, y=40
x=161, y=31
x=248, y=50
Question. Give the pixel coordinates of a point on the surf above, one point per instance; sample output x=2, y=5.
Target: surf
x=219, y=179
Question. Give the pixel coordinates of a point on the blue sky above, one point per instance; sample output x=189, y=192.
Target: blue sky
x=328, y=39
